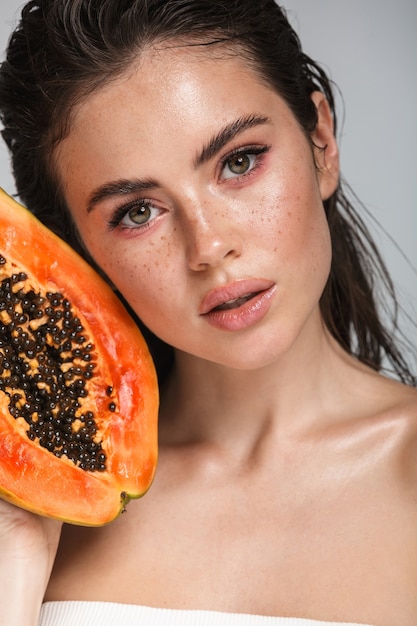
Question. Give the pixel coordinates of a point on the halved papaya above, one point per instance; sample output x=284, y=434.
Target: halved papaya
x=78, y=387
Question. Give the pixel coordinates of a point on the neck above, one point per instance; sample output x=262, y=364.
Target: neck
x=207, y=402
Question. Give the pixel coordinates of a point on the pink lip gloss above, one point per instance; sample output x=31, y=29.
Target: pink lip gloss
x=255, y=305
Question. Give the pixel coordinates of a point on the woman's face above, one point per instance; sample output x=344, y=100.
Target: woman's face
x=196, y=191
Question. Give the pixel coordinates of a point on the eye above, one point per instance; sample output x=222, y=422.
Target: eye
x=238, y=165
x=242, y=162
x=137, y=214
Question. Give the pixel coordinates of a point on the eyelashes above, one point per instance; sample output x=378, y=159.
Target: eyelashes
x=242, y=161
x=140, y=212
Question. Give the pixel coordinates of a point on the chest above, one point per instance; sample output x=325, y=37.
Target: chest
x=278, y=545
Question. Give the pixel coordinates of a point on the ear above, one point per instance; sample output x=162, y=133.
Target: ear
x=326, y=152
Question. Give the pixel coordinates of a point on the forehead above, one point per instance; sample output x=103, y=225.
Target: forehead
x=167, y=103
x=175, y=77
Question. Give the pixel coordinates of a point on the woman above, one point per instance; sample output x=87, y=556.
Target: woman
x=187, y=147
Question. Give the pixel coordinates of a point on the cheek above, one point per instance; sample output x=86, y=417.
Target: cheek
x=142, y=272
x=292, y=221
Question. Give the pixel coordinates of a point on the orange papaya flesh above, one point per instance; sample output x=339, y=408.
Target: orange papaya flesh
x=78, y=388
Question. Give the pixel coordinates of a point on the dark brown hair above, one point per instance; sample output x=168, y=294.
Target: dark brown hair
x=62, y=50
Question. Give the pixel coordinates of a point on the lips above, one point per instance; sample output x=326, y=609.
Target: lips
x=238, y=306
x=234, y=295
x=235, y=303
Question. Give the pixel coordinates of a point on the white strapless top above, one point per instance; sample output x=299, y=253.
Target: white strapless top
x=114, y=614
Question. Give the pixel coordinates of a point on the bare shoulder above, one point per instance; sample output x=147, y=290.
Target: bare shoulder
x=384, y=398
x=401, y=402
x=397, y=403
x=379, y=419
x=399, y=408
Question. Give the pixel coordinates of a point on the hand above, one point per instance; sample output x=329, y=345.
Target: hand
x=28, y=545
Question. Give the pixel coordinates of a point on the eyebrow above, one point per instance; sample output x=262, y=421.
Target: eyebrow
x=123, y=186
x=226, y=134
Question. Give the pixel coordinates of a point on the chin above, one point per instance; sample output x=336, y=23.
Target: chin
x=248, y=360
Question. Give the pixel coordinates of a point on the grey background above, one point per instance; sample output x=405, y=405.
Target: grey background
x=370, y=50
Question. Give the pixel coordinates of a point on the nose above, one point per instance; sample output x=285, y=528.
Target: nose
x=212, y=239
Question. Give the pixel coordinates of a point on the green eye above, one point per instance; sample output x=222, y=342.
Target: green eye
x=239, y=164
x=140, y=214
